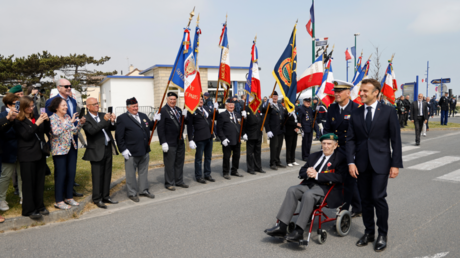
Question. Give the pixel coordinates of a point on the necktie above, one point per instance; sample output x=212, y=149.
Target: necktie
x=320, y=164
x=232, y=117
x=177, y=115
x=340, y=112
x=420, y=108
x=369, y=118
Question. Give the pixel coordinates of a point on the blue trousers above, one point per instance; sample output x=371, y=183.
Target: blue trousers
x=206, y=147
x=444, y=115
x=65, y=168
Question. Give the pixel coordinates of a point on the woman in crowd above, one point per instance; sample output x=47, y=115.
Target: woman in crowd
x=62, y=141
x=30, y=131
x=10, y=164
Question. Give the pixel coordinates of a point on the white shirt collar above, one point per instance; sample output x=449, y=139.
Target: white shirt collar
x=348, y=103
x=374, y=105
x=63, y=97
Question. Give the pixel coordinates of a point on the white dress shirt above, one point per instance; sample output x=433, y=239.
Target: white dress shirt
x=342, y=108
x=420, y=106
x=374, y=106
x=324, y=163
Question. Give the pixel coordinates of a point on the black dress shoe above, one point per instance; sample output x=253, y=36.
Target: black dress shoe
x=364, y=240
x=76, y=184
x=261, y=171
x=171, y=188
x=134, y=198
x=226, y=176
x=16, y=192
x=109, y=200
x=75, y=194
x=182, y=185
x=44, y=212
x=276, y=231
x=252, y=172
x=280, y=166
x=294, y=236
x=201, y=180
x=35, y=215
x=209, y=178
x=100, y=204
x=146, y=193
x=381, y=243
x=274, y=167
x=236, y=174
x=356, y=214
x=417, y=143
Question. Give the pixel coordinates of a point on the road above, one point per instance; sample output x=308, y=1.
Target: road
x=227, y=218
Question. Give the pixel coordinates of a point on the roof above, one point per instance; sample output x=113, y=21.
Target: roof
x=133, y=72
x=201, y=66
x=124, y=77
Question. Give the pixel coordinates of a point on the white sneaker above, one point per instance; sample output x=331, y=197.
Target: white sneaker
x=4, y=206
x=20, y=201
x=290, y=165
x=295, y=164
x=424, y=134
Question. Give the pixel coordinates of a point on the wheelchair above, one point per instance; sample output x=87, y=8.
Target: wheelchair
x=342, y=221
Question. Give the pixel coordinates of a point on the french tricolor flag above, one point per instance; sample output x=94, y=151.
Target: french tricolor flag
x=311, y=22
x=313, y=76
x=224, y=67
x=325, y=98
x=348, y=55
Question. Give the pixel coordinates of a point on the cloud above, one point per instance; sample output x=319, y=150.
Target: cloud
x=438, y=18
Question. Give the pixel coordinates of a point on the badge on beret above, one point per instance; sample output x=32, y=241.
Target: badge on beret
x=331, y=137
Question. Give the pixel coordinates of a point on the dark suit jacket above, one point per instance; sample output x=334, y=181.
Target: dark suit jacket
x=226, y=129
x=335, y=173
x=444, y=103
x=305, y=118
x=252, y=124
x=9, y=143
x=169, y=126
x=275, y=120
x=133, y=136
x=95, y=137
x=338, y=123
x=374, y=145
x=28, y=144
x=198, y=125
x=290, y=126
x=414, y=111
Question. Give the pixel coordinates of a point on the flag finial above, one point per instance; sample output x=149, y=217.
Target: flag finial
x=255, y=38
x=191, y=17
x=198, y=20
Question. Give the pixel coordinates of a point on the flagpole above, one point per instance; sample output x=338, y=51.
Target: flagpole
x=313, y=48
x=268, y=108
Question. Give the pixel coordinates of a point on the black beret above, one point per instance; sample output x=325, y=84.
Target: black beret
x=230, y=100
x=172, y=94
x=275, y=93
x=307, y=99
x=131, y=101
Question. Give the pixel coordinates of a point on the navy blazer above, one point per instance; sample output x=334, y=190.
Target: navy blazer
x=132, y=135
x=275, y=120
x=5, y=125
x=198, y=125
x=305, y=118
x=252, y=124
x=338, y=123
x=9, y=143
x=226, y=129
x=374, y=145
x=335, y=173
x=169, y=126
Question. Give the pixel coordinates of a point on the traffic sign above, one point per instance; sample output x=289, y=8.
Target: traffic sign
x=438, y=81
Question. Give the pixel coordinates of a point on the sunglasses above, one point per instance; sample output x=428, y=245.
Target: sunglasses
x=66, y=86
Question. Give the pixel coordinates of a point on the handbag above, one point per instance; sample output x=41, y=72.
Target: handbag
x=44, y=146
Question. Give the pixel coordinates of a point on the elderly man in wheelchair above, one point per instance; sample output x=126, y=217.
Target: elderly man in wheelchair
x=322, y=185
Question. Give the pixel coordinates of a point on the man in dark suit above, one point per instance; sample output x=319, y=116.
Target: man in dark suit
x=419, y=116
x=133, y=134
x=372, y=129
x=453, y=105
x=322, y=170
x=305, y=118
x=65, y=92
x=407, y=108
x=275, y=130
x=172, y=143
x=99, y=151
x=201, y=139
x=338, y=117
x=444, y=104
x=228, y=130
x=401, y=111
x=253, y=137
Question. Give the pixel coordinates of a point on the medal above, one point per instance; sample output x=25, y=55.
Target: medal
x=333, y=119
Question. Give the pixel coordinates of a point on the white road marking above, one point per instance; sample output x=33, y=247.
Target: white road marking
x=418, y=155
x=408, y=148
x=452, y=176
x=432, y=164
x=439, y=255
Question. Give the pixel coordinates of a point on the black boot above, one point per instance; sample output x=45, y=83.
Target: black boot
x=278, y=230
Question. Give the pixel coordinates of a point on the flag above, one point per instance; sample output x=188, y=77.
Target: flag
x=358, y=69
x=354, y=94
x=224, y=67
x=313, y=76
x=177, y=74
x=329, y=89
x=387, y=85
x=353, y=51
x=285, y=73
x=311, y=22
x=327, y=78
x=348, y=55
x=252, y=86
x=393, y=75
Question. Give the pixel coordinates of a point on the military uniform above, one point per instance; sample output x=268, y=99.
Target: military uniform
x=305, y=118
x=274, y=124
x=401, y=112
x=251, y=128
x=337, y=122
x=444, y=104
x=407, y=108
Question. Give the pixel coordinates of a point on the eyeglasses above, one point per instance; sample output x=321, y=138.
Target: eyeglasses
x=66, y=86
x=95, y=104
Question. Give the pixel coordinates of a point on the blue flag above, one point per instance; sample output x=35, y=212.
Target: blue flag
x=177, y=74
x=285, y=73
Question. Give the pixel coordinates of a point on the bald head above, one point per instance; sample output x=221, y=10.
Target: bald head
x=92, y=105
x=64, y=87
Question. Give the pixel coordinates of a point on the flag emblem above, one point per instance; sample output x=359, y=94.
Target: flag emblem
x=189, y=68
x=285, y=71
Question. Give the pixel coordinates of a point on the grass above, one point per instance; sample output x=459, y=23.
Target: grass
x=83, y=176
x=433, y=125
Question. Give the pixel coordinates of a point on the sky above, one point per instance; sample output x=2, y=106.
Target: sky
x=144, y=33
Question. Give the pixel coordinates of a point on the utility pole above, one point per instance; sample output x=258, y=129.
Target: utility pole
x=356, y=35
x=427, y=68
x=313, y=50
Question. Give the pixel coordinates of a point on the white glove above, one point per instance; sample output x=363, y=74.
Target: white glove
x=243, y=113
x=126, y=154
x=302, y=134
x=317, y=108
x=216, y=106
x=245, y=137
x=165, y=147
x=192, y=145
x=270, y=134
x=226, y=142
x=157, y=117
x=185, y=114
x=270, y=100
x=292, y=113
x=205, y=113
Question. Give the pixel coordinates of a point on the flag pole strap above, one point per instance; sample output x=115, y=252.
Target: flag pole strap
x=214, y=113
x=242, y=120
x=182, y=124
x=268, y=108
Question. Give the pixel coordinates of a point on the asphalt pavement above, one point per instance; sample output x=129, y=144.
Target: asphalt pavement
x=227, y=218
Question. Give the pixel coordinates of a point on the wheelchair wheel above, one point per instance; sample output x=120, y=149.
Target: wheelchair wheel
x=322, y=237
x=343, y=223
x=291, y=227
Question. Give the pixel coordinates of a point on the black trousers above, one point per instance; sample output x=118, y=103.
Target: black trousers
x=276, y=143
x=253, y=155
x=174, y=164
x=306, y=145
x=406, y=117
x=350, y=192
x=291, y=144
x=452, y=111
x=33, y=186
x=401, y=120
x=234, y=151
x=418, y=127
x=101, y=172
x=373, y=190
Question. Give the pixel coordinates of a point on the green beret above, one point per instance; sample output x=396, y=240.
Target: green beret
x=329, y=136
x=16, y=89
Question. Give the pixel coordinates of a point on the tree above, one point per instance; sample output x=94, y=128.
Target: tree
x=377, y=64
